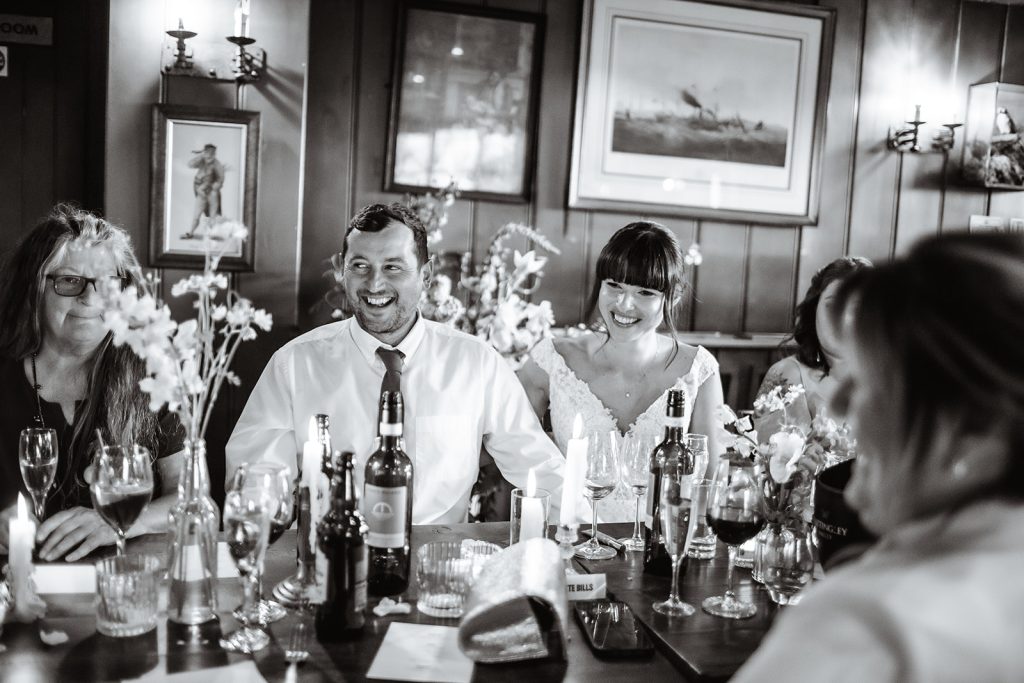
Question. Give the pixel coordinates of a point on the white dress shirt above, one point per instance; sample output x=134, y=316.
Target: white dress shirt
x=936, y=600
x=459, y=393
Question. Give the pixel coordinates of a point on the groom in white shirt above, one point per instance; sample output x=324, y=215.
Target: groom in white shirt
x=459, y=392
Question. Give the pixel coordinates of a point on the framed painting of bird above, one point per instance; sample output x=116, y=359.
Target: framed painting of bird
x=709, y=109
x=993, y=151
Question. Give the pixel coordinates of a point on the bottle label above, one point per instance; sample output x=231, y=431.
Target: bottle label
x=390, y=428
x=675, y=422
x=384, y=507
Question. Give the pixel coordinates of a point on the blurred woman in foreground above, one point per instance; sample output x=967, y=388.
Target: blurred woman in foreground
x=935, y=396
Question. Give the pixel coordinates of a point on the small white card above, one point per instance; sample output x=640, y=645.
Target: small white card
x=586, y=586
x=418, y=652
x=239, y=672
x=64, y=578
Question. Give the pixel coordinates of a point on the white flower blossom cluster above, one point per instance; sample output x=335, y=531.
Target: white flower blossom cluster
x=778, y=398
x=186, y=363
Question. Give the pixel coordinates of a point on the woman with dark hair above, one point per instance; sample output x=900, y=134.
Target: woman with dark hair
x=934, y=394
x=817, y=361
x=617, y=379
x=59, y=369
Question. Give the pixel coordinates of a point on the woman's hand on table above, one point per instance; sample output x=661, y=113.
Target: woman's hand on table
x=73, y=534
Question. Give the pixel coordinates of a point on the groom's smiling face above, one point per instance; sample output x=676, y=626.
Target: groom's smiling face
x=383, y=280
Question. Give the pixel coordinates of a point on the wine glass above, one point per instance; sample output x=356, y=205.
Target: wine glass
x=122, y=486
x=698, y=445
x=736, y=514
x=37, y=455
x=635, y=462
x=599, y=481
x=677, y=524
x=247, y=527
x=276, y=482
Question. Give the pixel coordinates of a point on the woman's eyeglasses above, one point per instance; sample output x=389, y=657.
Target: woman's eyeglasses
x=74, y=285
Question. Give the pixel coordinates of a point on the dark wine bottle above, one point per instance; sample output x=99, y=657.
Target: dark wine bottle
x=672, y=451
x=387, y=503
x=341, y=535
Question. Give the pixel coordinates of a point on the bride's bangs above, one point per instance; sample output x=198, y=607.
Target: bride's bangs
x=642, y=263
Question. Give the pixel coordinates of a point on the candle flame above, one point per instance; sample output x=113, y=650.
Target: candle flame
x=22, y=509
x=312, y=429
x=531, y=484
x=577, y=427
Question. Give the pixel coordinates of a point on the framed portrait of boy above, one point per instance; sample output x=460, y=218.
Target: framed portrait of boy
x=204, y=171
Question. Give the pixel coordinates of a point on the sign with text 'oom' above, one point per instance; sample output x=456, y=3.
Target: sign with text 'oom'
x=3, y=60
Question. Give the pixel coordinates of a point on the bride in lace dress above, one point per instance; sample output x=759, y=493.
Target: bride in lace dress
x=618, y=379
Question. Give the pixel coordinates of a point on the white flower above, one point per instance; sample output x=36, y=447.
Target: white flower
x=725, y=414
x=785, y=449
x=262, y=320
x=527, y=264
x=219, y=312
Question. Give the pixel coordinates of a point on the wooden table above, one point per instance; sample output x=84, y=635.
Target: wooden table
x=700, y=647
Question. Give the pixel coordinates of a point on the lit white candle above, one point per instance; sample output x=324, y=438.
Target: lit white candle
x=22, y=540
x=311, y=457
x=532, y=523
x=575, y=469
x=242, y=18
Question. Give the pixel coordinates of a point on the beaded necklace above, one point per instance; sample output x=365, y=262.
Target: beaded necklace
x=36, y=387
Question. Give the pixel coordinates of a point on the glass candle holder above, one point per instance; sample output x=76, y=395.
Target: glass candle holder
x=529, y=515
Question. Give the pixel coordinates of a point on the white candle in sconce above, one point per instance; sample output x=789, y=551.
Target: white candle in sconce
x=21, y=542
x=534, y=521
x=312, y=457
x=242, y=12
x=575, y=469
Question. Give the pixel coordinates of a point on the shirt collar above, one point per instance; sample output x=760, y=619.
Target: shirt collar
x=368, y=344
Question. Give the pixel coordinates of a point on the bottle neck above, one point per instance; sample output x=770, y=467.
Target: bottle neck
x=675, y=430
x=195, y=480
x=350, y=502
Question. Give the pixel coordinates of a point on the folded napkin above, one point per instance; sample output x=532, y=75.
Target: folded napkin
x=517, y=606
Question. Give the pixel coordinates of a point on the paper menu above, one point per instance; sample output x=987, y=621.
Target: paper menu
x=418, y=652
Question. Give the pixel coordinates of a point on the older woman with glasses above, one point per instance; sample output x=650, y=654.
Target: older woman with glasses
x=935, y=395
x=59, y=370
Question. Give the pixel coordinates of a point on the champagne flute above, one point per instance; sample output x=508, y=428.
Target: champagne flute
x=37, y=456
x=736, y=514
x=600, y=479
x=122, y=486
x=276, y=481
x=247, y=527
x=635, y=463
x=677, y=524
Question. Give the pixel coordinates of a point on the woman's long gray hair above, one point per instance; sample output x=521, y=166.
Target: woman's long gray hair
x=114, y=404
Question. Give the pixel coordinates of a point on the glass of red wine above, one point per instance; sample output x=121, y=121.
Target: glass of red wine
x=122, y=486
x=736, y=514
x=275, y=480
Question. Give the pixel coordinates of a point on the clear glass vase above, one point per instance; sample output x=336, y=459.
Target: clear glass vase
x=786, y=560
x=192, y=556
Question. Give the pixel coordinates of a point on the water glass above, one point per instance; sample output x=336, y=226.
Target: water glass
x=445, y=571
x=126, y=595
x=704, y=541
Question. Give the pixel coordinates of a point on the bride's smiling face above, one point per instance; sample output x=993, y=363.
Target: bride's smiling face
x=629, y=311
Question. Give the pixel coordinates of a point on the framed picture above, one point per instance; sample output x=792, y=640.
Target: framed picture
x=993, y=155
x=204, y=166
x=703, y=109
x=464, y=100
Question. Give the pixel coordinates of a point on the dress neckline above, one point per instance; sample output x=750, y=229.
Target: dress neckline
x=605, y=409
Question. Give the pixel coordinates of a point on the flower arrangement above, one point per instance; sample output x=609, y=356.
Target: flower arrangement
x=789, y=461
x=187, y=363
x=496, y=291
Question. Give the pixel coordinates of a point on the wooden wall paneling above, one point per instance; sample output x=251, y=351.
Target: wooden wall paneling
x=933, y=36
x=1009, y=203
x=771, y=273
x=876, y=171
x=12, y=137
x=375, y=65
x=977, y=62
x=685, y=230
x=826, y=241
x=720, y=278
x=563, y=280
x=332, y=100
x=489, y=218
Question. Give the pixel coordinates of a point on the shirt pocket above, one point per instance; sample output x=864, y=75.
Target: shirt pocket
x=447, y=457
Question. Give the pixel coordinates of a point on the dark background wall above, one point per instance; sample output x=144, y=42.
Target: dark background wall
x=75, y=124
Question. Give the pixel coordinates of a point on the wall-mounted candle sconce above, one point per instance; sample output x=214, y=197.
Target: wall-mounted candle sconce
x=238, y=62
x=908, y=138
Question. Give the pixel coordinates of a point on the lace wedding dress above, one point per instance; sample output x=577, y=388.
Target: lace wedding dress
x=569, y=396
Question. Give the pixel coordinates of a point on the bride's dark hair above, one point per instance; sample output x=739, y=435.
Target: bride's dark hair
x=643, y=254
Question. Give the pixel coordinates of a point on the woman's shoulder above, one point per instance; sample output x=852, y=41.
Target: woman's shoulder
x=788, y=369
